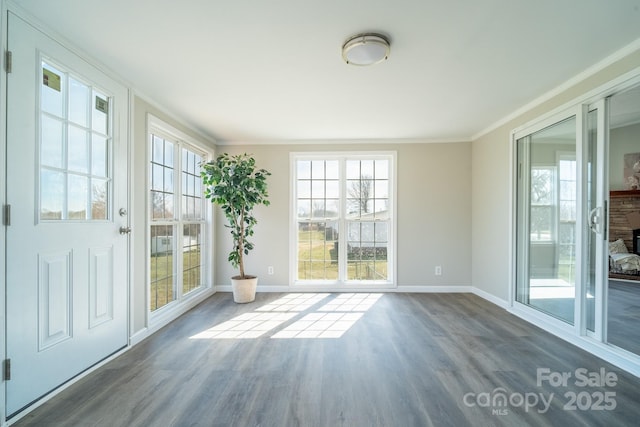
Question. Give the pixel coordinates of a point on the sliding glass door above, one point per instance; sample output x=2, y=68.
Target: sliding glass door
x=547, y=207
x=622, y=314
x=577, y=222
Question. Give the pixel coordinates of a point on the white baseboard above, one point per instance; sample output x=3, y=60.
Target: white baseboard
x=280, y=288
x=166, y=317
x=433, y=289
x=490, y=297
x=139, y=336
x=311, y=288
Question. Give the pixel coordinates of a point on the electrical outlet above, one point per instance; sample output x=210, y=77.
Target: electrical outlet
x=270, y=270
x=438, y=270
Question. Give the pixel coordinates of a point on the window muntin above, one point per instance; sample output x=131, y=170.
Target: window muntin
x=175, y=227
x=75, y=148
x=344, y=221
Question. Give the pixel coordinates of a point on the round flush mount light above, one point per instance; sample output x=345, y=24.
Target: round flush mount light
x=366, y=49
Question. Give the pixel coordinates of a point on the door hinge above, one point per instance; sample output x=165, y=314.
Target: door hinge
x=9, y=61
x=6, y=215
x=7, y=369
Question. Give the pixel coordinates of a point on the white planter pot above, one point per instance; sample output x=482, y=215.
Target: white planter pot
x=244, y=290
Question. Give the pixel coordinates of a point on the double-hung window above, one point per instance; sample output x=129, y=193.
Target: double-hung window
x=344, y=221
x=178, y=216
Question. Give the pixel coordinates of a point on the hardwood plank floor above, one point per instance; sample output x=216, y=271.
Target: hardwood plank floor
x=409, y=360
x=624, y=315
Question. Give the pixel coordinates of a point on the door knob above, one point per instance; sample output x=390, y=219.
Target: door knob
x=125, y=230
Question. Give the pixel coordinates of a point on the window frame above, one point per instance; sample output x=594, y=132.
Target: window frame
x=342, y=283
x=159, y=128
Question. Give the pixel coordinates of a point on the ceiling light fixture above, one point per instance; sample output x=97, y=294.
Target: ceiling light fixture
x=366, y=49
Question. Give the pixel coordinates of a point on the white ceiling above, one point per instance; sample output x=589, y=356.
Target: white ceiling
x=271, y=71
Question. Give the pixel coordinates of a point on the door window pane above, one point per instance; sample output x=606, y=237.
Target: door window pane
x=53, y=89
x=99, y=155
x=100, y=113
x=77, y=190
x=77, y=150
x=52, y=187
x=99, y=197
x=74, y=152
x=78, y=102
x=51, y=142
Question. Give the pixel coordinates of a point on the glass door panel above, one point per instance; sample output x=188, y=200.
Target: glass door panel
x=623, y=290
x=547, y=208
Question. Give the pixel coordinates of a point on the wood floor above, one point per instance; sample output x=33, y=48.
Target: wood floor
x=624, y=315
x=408, y=360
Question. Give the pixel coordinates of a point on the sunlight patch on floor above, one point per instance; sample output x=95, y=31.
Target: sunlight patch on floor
x=331, y=320
x=320, y=325
x=293, y=302
x=351, y=302
x=248, y=325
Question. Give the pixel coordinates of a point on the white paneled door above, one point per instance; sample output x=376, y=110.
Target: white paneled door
x=67, y=239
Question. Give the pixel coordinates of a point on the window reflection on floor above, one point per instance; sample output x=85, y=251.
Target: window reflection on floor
x=294, y=316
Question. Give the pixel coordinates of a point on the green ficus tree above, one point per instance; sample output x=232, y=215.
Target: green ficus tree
x=237, y=186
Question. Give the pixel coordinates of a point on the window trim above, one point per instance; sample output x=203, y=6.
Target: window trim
x=343, y=285
x=158, y=127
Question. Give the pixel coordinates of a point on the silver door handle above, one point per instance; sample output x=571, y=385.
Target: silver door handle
x=594, y=220
x=125, y=230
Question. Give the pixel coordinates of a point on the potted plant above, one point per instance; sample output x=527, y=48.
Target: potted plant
x=234, y=183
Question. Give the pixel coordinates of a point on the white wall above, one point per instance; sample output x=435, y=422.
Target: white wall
x=491, y=184
x=434, y=213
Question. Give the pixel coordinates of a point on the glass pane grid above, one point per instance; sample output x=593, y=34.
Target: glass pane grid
x=365, y=189
x=318, y=250
x=318, y=189
x=367, y=251
x=161, y=266
x=68, y=153
x=170, y=162
x=162, y=184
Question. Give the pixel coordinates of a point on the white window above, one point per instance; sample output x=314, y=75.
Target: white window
x=543, y=204
x=344, y=222
x=567, y=205
x=178, y=216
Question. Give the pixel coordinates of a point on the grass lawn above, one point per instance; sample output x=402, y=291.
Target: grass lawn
x=317, y=259
x=162, y=277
